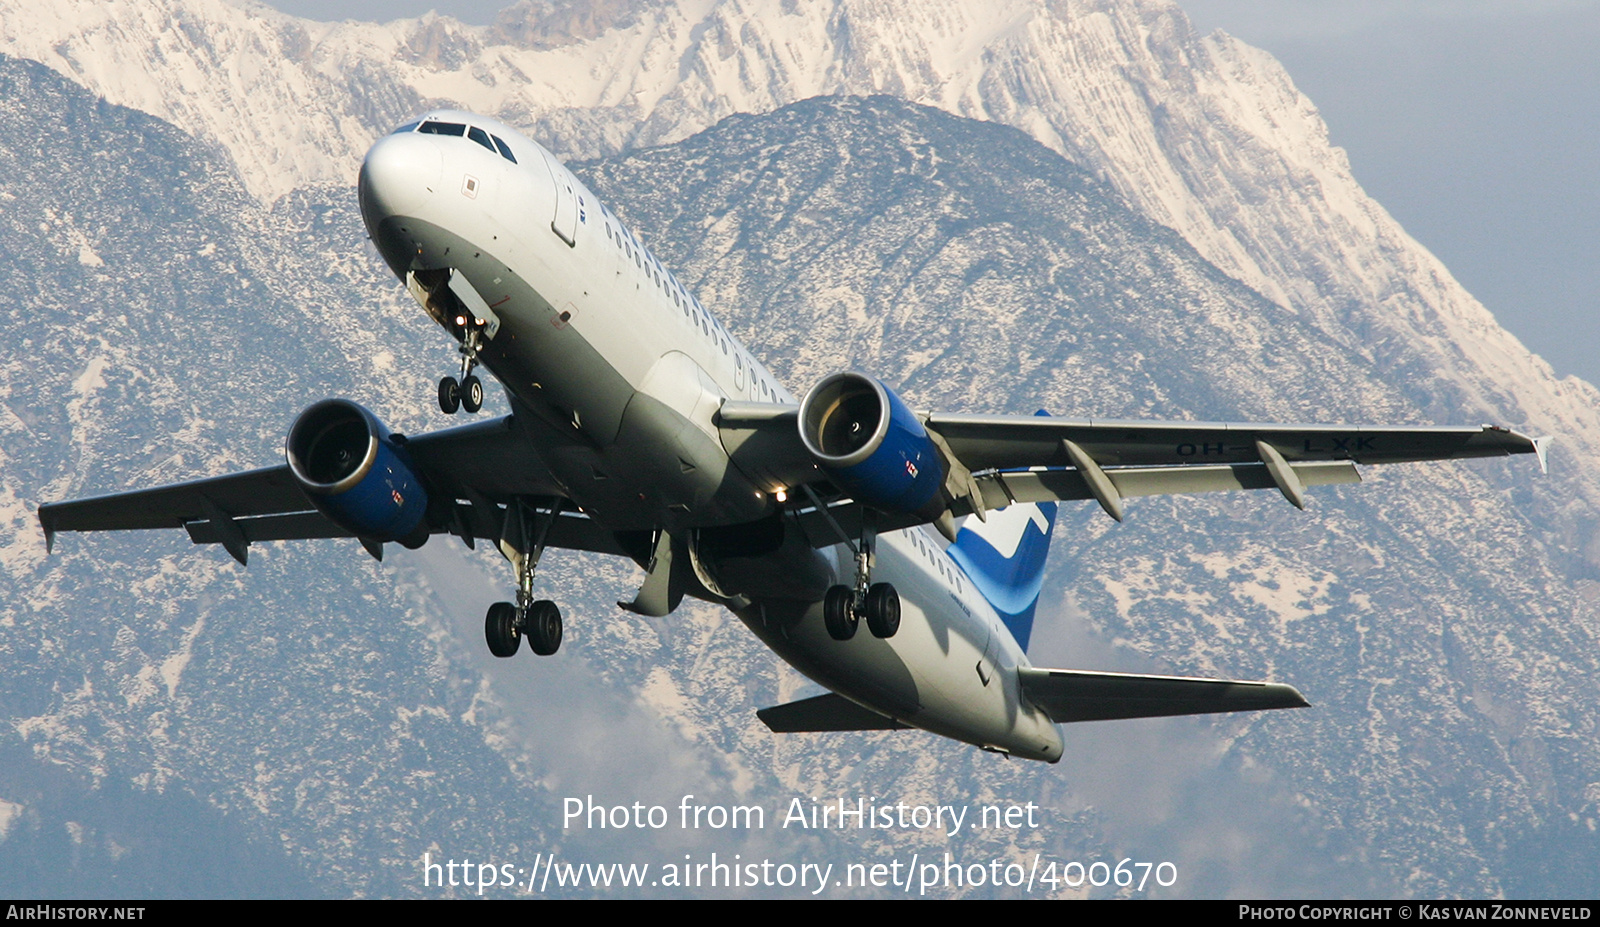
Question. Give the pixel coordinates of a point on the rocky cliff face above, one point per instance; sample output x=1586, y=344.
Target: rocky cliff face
x=181, y=289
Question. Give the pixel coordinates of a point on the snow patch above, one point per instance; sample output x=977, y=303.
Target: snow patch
x=172, y=667
x=9, y=812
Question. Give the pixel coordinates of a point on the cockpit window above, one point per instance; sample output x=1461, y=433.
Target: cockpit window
x=443, y=128
x=458, y=130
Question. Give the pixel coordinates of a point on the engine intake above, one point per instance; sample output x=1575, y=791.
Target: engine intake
x=871, y=446
x=356, y=474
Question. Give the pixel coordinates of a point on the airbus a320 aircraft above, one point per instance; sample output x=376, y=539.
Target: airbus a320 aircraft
x=641, y=428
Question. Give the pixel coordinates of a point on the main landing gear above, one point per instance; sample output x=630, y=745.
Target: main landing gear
x=467, y=392
x=539, y=620
x=506, y=625
x=843, y=607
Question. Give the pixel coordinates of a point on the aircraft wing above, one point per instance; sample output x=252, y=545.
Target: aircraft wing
x=1039, y=459
x=1002, y=442
x=469, y=472
x=1081, y=695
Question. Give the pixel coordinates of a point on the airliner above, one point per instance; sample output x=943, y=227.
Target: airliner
x=641, y=427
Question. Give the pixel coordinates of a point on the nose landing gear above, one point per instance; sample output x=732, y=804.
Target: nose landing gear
x=467, y=392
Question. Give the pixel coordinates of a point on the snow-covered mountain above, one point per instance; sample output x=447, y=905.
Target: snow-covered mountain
x=1203, y=133
x=1198, y=249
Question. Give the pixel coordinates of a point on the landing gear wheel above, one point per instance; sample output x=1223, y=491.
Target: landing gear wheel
x=838, y=613
x=883, y=610
x=500, y=629
x=471, y=394
x=544, y=627
x=449, y=395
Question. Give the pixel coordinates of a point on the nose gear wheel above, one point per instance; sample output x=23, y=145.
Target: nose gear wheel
x=465, y=393
x=471, y=394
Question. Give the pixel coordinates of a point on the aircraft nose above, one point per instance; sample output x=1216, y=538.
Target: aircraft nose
x=399, y=174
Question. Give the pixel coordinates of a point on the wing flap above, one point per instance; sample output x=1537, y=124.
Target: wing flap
x=1082, y=695
x=292, y=527
x=570, y=531
x=1003, y=488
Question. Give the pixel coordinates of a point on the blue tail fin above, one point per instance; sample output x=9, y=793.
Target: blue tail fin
x=1004, y=557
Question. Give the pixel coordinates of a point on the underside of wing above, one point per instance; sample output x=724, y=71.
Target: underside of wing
x=1004, y=442
x=268, y=492
x=1081, y=695
x=471, y=475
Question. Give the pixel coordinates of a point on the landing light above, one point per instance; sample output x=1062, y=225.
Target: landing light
x=781, y=496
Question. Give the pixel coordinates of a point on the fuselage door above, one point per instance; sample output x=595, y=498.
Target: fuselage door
x=565, y=221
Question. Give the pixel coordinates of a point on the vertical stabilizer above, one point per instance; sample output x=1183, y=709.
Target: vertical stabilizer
x=1004, y=557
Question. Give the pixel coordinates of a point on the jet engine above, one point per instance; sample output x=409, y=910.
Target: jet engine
x=356, y=473
x=871, y=446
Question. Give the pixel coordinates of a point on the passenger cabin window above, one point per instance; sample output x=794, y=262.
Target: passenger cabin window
x=443, y=128
x=481, y=137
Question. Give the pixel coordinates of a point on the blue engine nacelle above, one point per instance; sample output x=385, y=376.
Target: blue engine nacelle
x=356, y=474
x=871, y=446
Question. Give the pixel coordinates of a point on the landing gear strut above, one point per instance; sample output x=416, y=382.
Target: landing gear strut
x=843, y=607
x=466, y=393
x=538, y=620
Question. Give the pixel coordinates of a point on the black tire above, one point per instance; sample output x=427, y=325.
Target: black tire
x=500, y=629
x=838, y=613
x=883, y=610
x=471, y=394
x=544, y=628
x=449, y=395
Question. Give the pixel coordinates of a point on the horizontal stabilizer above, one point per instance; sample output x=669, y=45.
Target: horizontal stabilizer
x=824, y=713
x=1079, y=695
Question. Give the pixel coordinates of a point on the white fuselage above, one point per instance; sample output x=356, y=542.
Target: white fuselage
x=624, y=371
